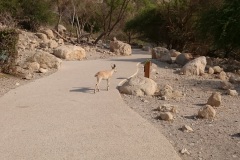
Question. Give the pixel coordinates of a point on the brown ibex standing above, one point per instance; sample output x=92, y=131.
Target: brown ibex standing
x=104, y=75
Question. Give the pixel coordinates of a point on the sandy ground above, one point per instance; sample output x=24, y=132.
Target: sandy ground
x=210, y=140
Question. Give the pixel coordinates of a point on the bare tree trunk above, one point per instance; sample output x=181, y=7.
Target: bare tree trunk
x=108, y=19
x=73, y=16
x=78, y=35
x=78, y=30
x=59, y=14
x=100, y=37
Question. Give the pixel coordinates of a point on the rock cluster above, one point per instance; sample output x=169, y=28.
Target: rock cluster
x=162, y=54
x=195, y=67
x=138, y=86
x=45, y=50
x=120, y=48
x=183, y=58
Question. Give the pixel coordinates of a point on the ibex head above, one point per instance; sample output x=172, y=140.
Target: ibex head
x=114, y=67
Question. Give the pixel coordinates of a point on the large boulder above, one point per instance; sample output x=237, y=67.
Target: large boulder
x=120, y=48
x=183, y=58
x=162, y=54
x=70, y=52
x=43, y=37
x=174, y=53
x=207, y=112
x=52, y=44
x=61, y=29
x=138, y=86
x=46, y=60
x=215, y=99
x=195, y=67
x=49, y=33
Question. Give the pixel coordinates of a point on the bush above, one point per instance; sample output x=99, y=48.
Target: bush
x=8, y=48
x=29, y=14
x=171, y=23
x=221, y=25
x=35, y=12
x=11, y=6
x=147, y=25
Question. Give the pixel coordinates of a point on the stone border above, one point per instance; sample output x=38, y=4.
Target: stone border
x=123, y=81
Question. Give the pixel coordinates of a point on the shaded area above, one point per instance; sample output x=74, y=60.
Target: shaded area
x=129, y=60
x=122, y=78
x=237, y=135
x=200, y=104
x=83, y=90
x=193, y=117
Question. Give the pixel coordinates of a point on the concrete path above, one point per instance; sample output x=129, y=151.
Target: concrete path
x=59, y=118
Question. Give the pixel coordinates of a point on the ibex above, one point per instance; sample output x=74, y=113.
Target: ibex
x=105, y=75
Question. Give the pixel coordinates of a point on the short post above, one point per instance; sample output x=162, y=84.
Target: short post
x=147, y=69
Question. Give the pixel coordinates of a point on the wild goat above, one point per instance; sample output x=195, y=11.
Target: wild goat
x=105, y=75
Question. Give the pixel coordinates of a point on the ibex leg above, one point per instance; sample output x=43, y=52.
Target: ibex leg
x=97, y=85
x=108, y=83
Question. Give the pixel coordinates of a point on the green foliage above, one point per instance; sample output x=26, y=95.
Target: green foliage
x=11, y=6
x=147, y=25
x=28, y=13
x=222, y=25
x=37, y=11
x=179, y=17
x=8, y=44
x=171, y=23
x=112, y=13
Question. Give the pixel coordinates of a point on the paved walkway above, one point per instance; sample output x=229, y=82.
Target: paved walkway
x=59, y=118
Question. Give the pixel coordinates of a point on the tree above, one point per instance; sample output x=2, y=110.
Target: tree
x=8, y=9
x=171, y=23
x=61, y=7
x=146, y=26
x=85, y=17
x=111, y=13
x=29, y=14
x=221, y=24
x=9, y=6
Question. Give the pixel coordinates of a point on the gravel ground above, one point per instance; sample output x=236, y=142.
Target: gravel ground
x=210, y=140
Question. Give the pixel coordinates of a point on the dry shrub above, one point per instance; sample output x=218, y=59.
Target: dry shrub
x=8, y=49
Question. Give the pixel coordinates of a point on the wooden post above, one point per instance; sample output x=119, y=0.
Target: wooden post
x=147, y=69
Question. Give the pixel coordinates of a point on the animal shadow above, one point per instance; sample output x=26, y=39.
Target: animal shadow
x=83, y=90
x=237, y=135
x=193, y=117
